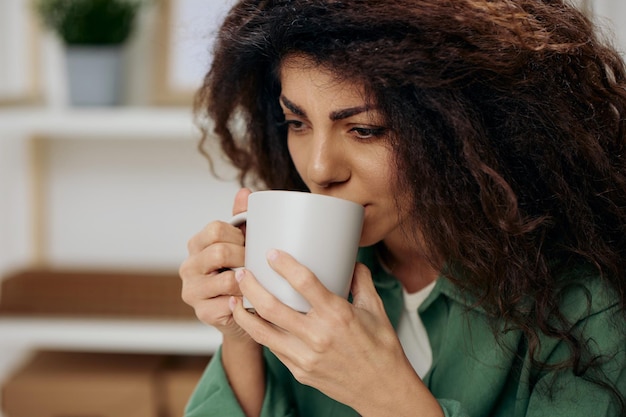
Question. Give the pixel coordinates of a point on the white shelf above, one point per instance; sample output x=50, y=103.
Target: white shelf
x=57, y=129
x=109, y=335
x=96, y=123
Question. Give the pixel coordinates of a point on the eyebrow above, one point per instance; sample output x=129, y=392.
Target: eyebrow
x=334, y=115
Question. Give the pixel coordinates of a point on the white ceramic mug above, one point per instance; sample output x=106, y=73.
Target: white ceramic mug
x=320, y=232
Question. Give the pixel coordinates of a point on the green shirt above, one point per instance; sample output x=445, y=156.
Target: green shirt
x=472, y=373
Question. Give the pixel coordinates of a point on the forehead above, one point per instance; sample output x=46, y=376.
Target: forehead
x=299, y=75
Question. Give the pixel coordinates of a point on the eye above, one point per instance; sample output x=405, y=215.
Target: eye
x=368, y=132
x=295, y=126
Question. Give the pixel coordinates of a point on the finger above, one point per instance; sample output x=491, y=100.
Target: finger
x=215, y=258
x=364, y=293
x=219, y=285
x=241, y=200
x=300, y=278
x=215, y=232
x=267, y=305
x=215, y=312
x=224, y=284
x=220, y=256
x=261, y=330
x=198, y=288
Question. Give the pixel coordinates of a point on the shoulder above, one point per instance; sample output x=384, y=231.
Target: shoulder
x=593, y=314
x=584, y=293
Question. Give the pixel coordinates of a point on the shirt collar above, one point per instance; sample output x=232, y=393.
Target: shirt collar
x=391, y=289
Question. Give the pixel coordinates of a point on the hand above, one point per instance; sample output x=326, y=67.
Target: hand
x=350, y=352
x=208, y=283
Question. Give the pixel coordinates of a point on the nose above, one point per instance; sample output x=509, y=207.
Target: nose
x=328, y=163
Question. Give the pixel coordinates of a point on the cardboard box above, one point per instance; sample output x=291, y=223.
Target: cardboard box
x=178, y=380
x=55, y=384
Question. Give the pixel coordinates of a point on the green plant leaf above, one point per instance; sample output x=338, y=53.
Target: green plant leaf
x=90, y=22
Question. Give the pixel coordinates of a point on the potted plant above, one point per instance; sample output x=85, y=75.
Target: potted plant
x=94, y=33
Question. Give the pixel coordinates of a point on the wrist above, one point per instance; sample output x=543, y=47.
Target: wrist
x=242, y=359
x=241, y=347
x=417, y=400
x=239, y=342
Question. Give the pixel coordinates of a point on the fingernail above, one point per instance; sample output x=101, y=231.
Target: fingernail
x=232, y=303
x=272, y=254
x=239, y=274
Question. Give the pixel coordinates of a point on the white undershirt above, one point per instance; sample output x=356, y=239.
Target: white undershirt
x=412, y=333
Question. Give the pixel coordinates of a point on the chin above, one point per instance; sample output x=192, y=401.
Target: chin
x=368, y=239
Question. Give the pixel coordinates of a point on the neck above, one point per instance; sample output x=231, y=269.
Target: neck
x=408, y=265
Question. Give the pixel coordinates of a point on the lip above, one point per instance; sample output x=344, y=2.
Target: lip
x=364, y=205
x=347, y=199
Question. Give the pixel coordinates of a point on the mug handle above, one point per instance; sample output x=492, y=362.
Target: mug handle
x=239, y=219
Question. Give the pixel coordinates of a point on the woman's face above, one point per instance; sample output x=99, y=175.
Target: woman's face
x=339, y=145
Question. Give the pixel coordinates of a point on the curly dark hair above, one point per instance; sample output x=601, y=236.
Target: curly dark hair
x=509, y=120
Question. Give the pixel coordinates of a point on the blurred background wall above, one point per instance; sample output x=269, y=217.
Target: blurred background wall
x=96, y=191
x=115, y=189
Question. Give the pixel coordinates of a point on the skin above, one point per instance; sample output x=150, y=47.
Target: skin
x=350, y=352
x=339, y=148
x=208, y=289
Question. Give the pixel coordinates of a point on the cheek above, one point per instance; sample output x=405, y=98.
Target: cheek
x=369, y=236
x=298, y=156
x=382, y=221
x=392, y=206
x=381, y=175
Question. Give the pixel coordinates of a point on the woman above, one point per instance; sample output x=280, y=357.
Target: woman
x=486, y=141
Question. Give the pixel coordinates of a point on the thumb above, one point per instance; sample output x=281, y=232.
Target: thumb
x=364, y=293
x=241, y=200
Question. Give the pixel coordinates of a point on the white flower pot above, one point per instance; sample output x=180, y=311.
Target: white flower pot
x=94, y=75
